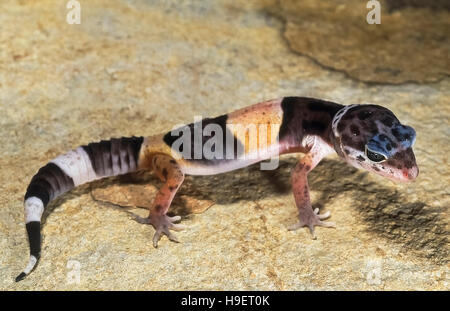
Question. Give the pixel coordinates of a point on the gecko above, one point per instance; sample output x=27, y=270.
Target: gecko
x=365, y=136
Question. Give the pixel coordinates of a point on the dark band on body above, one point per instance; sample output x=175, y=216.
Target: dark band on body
x=235, y=145
x=306, y=116
x=49, y=182
x=124, y=152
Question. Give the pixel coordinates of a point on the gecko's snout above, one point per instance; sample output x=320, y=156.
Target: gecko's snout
x=411, y=174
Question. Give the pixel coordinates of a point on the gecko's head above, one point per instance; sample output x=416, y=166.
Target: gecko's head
x=371, y=137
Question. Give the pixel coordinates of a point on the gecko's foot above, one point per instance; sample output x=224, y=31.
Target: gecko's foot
x=311, y=219
x=162, y=224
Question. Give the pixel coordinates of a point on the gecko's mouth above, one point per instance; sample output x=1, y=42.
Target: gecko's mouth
x=404, y=175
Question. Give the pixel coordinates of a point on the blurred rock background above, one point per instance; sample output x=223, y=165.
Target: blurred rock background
x=135, y=67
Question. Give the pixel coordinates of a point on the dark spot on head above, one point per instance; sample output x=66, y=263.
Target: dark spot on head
x=360, y=158
x=388, y=147
x=354, y=129
x=347, y=151
x=173, y=161
x=362, y=115
x=396, y=134
x=165, y=173
x=375, y=168
x=307, y=167
x=388, y=121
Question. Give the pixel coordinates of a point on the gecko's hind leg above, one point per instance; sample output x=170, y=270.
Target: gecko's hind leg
x=168, y=170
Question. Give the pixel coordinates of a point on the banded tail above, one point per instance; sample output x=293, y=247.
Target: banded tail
x=84, y=164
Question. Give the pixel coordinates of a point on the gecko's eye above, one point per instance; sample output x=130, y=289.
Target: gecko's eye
x=375, y=156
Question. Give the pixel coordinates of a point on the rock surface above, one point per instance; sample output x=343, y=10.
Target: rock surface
x=141, y=67
x=409, y=45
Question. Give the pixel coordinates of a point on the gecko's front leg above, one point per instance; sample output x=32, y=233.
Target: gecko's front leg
x=299, y=175
x=168, y=170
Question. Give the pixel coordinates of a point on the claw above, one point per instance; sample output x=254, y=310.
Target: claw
x=156, y=238
x=175, y=218
x=324, y=216
x=177, y=227
x=327, y=224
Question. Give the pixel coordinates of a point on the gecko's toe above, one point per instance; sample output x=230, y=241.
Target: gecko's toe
x=323, y=216
x=326, y=224
x=174, y=218
x=178, y=227
x=156, y=238
x=171, y=236
x=320, y=223
x=141, y=220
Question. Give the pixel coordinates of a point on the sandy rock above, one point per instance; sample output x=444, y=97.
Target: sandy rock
x=142, y=67
x=337, y=36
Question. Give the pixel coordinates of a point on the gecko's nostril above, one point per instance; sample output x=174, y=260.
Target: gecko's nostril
x=411, y=174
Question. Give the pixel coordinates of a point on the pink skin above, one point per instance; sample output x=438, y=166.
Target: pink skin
x=306, y=215
x=169, y=171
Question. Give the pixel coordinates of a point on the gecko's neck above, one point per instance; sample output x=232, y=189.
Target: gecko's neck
x=303, y=116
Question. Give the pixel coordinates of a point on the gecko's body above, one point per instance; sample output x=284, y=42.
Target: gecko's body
x=366, y=136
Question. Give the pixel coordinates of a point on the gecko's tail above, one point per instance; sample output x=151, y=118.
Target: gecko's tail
x=86, y=163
